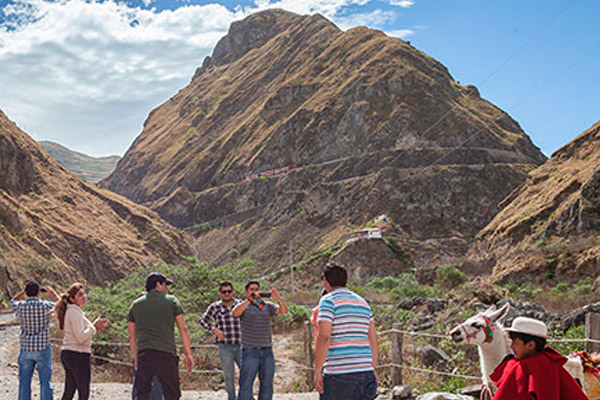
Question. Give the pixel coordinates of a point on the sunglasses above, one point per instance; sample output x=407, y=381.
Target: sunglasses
x=226, y=291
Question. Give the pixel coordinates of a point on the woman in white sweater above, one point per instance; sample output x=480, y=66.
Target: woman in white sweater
x=77, y=341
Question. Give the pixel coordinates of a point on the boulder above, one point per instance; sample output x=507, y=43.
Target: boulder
x=431, y=355
x=401, y=392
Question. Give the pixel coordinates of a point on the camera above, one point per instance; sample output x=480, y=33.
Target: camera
x=43, y=290
x=265, y=295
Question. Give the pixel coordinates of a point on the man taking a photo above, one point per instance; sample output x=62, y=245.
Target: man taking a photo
x=257, y=354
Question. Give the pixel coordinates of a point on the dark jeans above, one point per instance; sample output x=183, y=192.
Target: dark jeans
x=355, y=386
x=77, y=374
x=155, y=394
x=162, y=364
x=255, y=361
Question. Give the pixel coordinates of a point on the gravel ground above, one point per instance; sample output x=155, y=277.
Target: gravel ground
x=9, y=378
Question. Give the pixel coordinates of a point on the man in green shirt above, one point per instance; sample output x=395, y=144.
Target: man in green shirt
x=151, y=321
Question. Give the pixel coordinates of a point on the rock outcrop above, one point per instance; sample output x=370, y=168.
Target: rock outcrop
x=548, y=229
x=57, y=228
x=364, y=123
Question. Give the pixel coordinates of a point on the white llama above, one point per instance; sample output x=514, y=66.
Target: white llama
x=486, y=331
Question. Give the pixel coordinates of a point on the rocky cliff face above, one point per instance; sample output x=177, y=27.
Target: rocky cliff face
x=367, y=124
x=58, y=228
x=548, y=229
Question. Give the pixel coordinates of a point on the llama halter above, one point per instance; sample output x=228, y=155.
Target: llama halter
x=487, y=329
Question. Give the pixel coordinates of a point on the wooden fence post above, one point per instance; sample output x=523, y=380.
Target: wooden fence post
x=308, y=354
x=592, y=331
x=396, y=355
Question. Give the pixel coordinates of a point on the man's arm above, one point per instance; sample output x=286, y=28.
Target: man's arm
x=19, y=296
x=323, y=340
x=133, y=342
x=188, y=361
x=240, y=308
x=206, y=322
x=52, y=293
x=282, y=309
x=373, y=345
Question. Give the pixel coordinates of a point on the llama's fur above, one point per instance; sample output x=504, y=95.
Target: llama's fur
x=491, y=353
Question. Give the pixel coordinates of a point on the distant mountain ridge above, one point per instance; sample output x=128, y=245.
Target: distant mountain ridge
x=92, y=169
x=368, y=125
x=58, y=228
x=549, y=227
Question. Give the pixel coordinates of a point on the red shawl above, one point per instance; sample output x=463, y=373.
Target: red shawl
x=541, y=375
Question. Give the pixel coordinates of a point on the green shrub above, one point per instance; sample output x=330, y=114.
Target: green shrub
x=575, y=332
x=394, y=247
x=403, y=285
x=202, y=228
x=196, y=286
x=387, y=282
x=449, y=276
x=527, y=290
x=584, y=286
x=294, y=315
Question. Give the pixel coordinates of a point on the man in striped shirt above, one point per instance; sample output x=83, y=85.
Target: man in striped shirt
x=227, y=332
x=346, y=354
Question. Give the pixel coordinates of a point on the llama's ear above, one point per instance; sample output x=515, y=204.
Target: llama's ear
x=500, y=315
x=490, y=310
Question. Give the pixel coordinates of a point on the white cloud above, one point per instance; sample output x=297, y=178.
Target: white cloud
x=403, y=3
x=86, y=73
x=327, y=8
x=400, y=33
x=375, y=18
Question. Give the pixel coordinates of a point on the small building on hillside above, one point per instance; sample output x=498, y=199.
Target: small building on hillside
x=367, y=233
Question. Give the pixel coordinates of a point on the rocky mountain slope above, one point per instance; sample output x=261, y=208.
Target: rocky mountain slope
x=92, y=169
x=332, y=128
x=58, y=228
x=549, y=227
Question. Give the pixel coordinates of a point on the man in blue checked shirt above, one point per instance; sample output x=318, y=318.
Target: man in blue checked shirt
x=34, y=315
x=218, y=319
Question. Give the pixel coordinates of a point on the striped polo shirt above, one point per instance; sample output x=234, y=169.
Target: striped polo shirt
x=349, y=349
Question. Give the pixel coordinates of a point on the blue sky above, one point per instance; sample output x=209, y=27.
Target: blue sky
x=87, y=73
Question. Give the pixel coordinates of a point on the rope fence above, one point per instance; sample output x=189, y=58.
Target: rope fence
x=592, y=341
x=56, y=343
x=440, y=336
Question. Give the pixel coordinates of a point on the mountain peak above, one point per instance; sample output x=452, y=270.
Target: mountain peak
x=254, y=31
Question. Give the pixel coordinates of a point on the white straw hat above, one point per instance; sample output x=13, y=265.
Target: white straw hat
x=529, y=326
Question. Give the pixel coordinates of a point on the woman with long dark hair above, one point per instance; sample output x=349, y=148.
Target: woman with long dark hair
x=77, y=341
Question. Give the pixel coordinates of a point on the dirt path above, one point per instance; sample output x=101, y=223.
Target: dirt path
x=286, y=374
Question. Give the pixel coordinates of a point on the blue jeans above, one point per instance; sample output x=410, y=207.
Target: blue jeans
x=229, y=354
x=255, y=361
x=354, y=386
x=27, y=362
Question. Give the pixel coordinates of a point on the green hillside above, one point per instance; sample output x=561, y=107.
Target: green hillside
x=92, y=169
